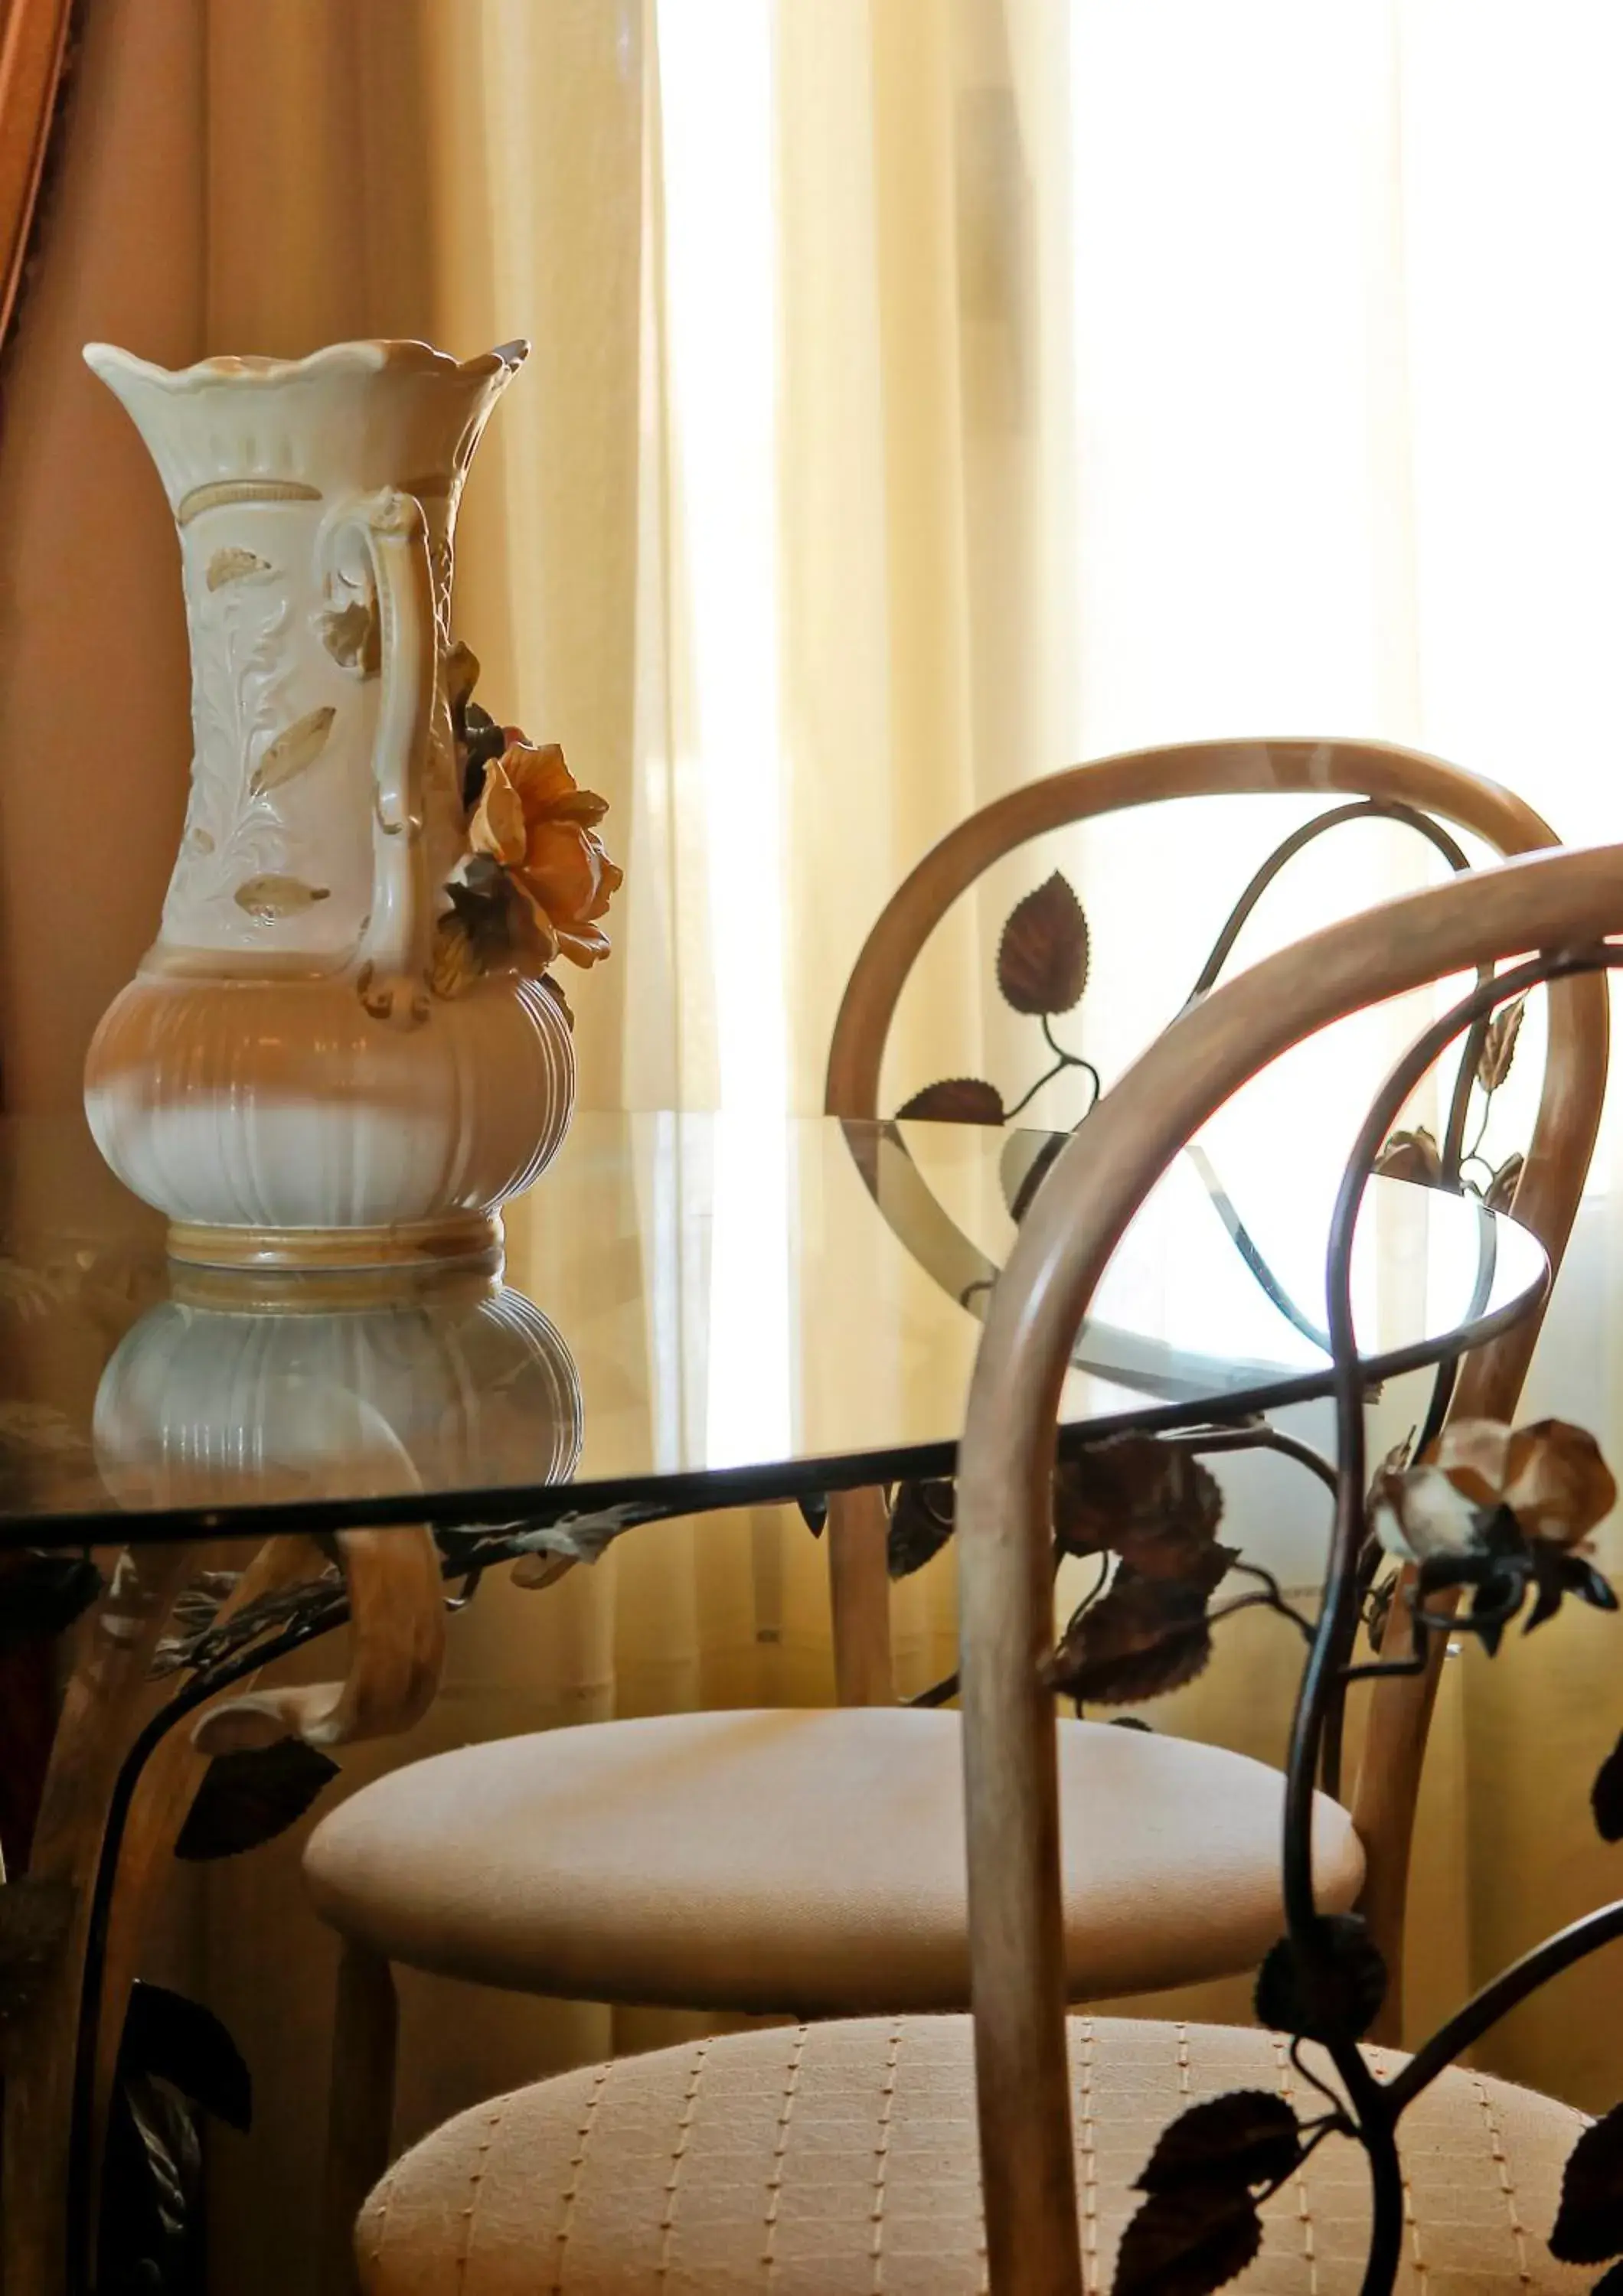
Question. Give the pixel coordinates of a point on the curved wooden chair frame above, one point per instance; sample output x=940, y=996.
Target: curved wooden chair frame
x=1552, y=902
x=1385, y=1795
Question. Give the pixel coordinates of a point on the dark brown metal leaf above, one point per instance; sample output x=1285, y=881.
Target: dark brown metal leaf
x=1042, y=957
x=33, y=1918
x=1188, y=2242
x=1502, y=1188
x=1606, y=1796
x=1151, y=1502
x=1610, y=2283
x=251, y=1797
x=921, y=1525
x=1589, y=2222
x=1410, y=1156
x=1337, y=2001
x=957, y=1100
x=1145, y=1636
x=1248, y=2137
x=1499, y=1044
x=182, y=2042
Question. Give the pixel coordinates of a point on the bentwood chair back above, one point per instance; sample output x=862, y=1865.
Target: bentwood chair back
x=940, y=2155
x=1559, y=901
x=1546, y=1197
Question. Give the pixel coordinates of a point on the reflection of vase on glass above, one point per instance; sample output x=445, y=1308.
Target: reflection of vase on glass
x=212, y=1401
x=343, y=1048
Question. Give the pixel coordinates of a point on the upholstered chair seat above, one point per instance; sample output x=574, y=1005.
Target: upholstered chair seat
x=586, y=1862
x=826, y=2160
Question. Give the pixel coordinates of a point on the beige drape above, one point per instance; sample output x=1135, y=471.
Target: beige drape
x=925, y=392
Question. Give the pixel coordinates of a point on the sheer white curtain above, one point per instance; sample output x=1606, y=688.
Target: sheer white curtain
x=1040, y=378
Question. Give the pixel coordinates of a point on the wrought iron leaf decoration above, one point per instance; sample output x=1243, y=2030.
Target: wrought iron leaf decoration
x=1606, y=1796
x=1411, y=1156
x=1151, y=1502
x=1145, y=1637
x=208, y=1644
x=1589, y=2222
x=250, y=1797
x=1499, y=1194
x=1338, y=1995
x=1499, y=1044
x=34, y=1918
x=1041, y=971
x=1043, y=956
x=921, y=1525
x=958, y=1100
x=1248, y=2137
x=186, y=2045
x=1188, y=2242
x=1610, y=2283
x=44, y=1593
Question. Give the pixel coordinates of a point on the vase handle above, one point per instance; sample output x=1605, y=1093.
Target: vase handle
x=386, y=534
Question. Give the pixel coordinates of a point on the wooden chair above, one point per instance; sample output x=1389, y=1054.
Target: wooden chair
x=844, y=2156
x=684, y=1859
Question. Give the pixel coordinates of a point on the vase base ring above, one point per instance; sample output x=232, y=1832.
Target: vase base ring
x=459, y=1239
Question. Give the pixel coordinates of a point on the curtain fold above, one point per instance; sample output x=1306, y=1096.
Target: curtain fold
x=926, y=393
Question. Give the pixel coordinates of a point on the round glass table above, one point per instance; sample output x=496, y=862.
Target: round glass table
x=697, y=1312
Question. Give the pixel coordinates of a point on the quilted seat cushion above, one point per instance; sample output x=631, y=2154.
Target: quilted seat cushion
x=838, y=2159
x=806, y=1861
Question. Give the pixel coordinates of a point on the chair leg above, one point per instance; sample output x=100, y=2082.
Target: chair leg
x=860, y=1588
x=360, y=2108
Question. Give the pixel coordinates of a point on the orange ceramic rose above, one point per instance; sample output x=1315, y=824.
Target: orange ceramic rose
x=539, y=827
x=535, y=881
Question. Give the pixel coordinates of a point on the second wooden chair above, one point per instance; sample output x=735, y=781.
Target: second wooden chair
x=811, y=1861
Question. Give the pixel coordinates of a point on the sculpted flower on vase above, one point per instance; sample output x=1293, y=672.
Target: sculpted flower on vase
x=536, y=879
x=539, y=826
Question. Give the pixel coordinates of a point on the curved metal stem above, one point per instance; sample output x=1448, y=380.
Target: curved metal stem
x=1373, y=808
x=1379, y=2141
x=1497, y=1999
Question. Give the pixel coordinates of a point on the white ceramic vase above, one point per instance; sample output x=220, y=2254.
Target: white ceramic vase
x=279, y=1078
x=370, y=1384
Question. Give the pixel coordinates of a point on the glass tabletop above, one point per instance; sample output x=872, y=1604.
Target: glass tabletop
x=697, y=1311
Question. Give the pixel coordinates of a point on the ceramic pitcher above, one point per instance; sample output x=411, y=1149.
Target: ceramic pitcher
x=281, y=1078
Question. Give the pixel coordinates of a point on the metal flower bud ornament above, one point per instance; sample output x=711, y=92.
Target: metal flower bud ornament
x=1500, y=1512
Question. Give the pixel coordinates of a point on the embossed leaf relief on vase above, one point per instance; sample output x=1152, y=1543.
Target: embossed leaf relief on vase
x=236, y=844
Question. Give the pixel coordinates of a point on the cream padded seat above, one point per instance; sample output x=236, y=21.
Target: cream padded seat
x=806, y=1861
x=826, y=2160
